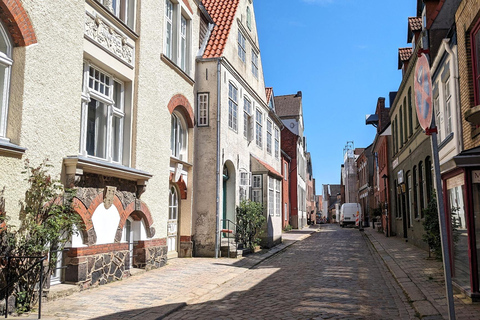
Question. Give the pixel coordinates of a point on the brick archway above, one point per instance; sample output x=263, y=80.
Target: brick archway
x=179, y=101
x=17, y=23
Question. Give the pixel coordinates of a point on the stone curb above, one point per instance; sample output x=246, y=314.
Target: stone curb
x=415, y=296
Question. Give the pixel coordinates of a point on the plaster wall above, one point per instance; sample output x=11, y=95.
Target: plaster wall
x=44, y=106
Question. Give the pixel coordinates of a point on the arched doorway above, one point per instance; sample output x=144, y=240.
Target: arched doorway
x=172, y=224
x=228, y=195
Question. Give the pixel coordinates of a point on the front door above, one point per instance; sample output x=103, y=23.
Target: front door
x=172, y=225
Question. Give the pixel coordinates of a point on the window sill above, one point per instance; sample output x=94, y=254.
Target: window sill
x=11, y=150
x=77, y=165
x=445, y=141
x=176, y=68
x=184, y=163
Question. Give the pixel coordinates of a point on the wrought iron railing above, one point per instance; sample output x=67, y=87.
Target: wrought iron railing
x=229, y=231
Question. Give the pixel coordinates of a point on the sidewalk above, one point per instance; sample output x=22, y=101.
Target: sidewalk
x=422, y=279
x=159, y=292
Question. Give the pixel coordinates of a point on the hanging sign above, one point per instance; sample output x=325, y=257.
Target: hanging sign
x=423, y=92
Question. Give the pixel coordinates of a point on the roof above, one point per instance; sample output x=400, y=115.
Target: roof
x=268, y=93
x=289, y=105
x=404, y=55
x=269, y=168
x=223, y=15
x=415, y=23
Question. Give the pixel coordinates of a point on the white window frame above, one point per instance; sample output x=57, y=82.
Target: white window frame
x=269, y=136
x=232, y=107
x=258, y=128
x=249, y=19
x=277, y=143
x=254, y=64
x=447, y=101
x=102, y=91
x=257, y=188
x=6, y=62
x=202, y=109
x=242, y=51
x=271, y=196
x=278, y=198
x=178, y=35
x=122, y=9
x=178, y=137
x=245, y=182
x=247, y=118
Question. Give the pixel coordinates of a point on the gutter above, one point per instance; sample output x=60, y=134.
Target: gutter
x=217, y=207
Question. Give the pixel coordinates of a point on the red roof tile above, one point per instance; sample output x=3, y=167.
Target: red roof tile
x=415, y=23
x=268, y=167
x=404, y=54
x=223, y=14
x=268, y=93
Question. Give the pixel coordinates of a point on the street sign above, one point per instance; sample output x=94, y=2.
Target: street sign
x=423, y=92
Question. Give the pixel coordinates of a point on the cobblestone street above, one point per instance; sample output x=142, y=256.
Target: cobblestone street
x=332, y=273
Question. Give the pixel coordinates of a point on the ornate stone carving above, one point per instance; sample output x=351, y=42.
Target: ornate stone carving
x=108, y=195
x=98, y=31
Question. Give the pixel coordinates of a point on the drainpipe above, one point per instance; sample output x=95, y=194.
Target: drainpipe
x=217, y=209
x=454, y=73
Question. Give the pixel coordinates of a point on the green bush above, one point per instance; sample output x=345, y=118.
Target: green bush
x=250, y=220
x=48, y=221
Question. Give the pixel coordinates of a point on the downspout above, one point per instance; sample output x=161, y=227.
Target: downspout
x=217, y=209
x=454, y=72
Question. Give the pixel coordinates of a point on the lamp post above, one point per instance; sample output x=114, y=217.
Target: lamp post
x=384, y=177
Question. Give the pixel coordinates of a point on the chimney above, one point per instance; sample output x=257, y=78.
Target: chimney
x=299, y=94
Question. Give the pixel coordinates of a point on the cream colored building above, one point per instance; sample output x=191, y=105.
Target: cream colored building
x=105, y=90
x=237, y=138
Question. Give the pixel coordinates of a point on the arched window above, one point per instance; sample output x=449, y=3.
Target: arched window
x=411, y=113
x=421, y=184
x=173, y=204
x=5, y=69
x=178, y=138
x=428, y=178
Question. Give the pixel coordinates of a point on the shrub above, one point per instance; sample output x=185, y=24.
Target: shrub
x=250, y=220
x=48, y=221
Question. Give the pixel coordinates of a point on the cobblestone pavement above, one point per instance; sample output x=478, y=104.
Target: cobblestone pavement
x=334, y=274
x=421, y=278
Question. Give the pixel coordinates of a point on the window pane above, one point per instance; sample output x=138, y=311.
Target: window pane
x=117, y=139
x=96, y=129
x=3, y=99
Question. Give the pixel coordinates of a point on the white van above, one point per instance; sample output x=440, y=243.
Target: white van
x=349, y=213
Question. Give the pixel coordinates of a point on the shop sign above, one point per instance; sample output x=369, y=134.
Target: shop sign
x=400, y=177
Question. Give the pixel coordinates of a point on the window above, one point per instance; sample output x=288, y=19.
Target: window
x=277, y=143
x=232, y=107
x=244, y=185
x=475, y=43
x=448, y=106
x=257, y=188
x=415, y=197
x=406, y=118
x=285, y=171
x=271, y=196
x=286, y=212
x=395, y=141
x=258, y=128
x=247, y=118
x=438, y=117
x=421, y=186
x=103, y=113
x=249, y=19
x=401, y=128
x=269, y=136
x=278, y=208
x=255, y=64
x=122, y=9
x=394, y=137
x=178, y=138
x=202, y=109
x=5, y=69
x=177, y=35
x=409, y=199
x=241, y=46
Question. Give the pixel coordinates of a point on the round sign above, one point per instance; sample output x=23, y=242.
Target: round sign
x=423, y=92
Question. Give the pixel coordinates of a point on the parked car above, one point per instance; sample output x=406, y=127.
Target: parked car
x=349, y=213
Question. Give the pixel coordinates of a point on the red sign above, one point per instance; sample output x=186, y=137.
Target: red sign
x=423, y=92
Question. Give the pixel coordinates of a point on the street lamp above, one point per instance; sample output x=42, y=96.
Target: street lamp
x=384, y=177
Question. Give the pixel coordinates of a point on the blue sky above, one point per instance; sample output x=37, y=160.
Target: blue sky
x=343, y=56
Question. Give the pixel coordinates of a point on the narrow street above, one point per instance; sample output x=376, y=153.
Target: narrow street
x=333, y=273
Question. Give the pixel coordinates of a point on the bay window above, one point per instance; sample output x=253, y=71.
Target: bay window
x=103, y=116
